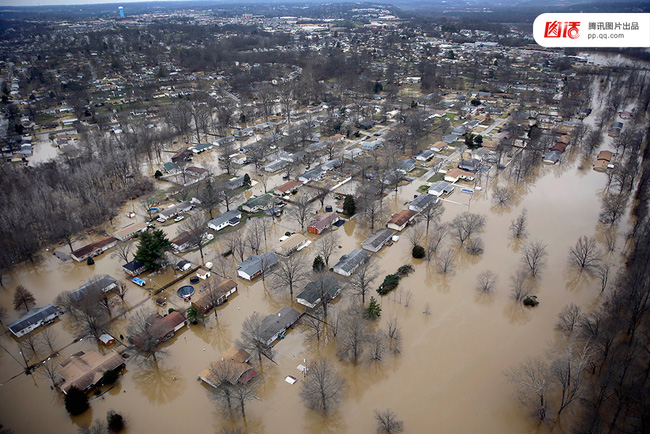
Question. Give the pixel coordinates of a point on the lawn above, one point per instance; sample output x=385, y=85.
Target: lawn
x=423, y=188
x=437, y=177
x=417, y=172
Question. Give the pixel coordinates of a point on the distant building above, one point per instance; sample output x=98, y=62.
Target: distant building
x=93, y=249
x=258, y=203
x=129, y=231
x=399, y=221
x=422, y=202
x=314, y=291
x=290, y=244
x=229, y=218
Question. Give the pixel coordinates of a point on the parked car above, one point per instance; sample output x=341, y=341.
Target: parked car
x=179, y=218
x=161, y=220
x=138, y=281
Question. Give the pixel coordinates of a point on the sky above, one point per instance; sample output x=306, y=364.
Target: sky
x=63, y=2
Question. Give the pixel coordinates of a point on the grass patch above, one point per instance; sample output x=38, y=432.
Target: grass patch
x=423, y=188
x=451, y=116
x=417, y=172
x=437, y=177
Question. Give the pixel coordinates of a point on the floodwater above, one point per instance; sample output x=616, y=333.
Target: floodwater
x=448, y=377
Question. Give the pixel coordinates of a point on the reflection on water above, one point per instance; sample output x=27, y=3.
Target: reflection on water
x=158, y=382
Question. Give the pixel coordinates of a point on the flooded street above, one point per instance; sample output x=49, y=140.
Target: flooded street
x=448, y=377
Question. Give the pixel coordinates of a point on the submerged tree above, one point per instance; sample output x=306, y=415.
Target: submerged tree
x=251, y=338
x=23, y=299
x=584, y=254
x=323, y=388
x=387, y=422
x=534, y=256
x=532, y=379
x=519, y=224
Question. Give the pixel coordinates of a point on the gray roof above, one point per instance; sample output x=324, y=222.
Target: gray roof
x=233, y=215
x=102, y=283
x=423, y=201
x=312, y=174
x=442, y=186
x=32, y=317
x=377, y=239
x=352, y=260
x=313, y=290
x=471, y=165
x=274, y=323
x=406, y=165
x=253, y=264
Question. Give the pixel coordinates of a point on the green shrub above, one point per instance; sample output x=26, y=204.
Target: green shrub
x=390, y=282
x=405, y=270
x=531, y=301
x=418, y=252
x=115, y=421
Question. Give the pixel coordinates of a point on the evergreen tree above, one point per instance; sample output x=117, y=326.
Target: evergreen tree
x=373, y=311
x=319, y=264
x=349, y=207
x=76, y=401
x=152, y=248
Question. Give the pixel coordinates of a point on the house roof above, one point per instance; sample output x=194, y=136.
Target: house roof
x=228, y=216
x=401, y=217
x=312, y=174
x=133, y=265
x=441, y=187
x=89, y=248
x=222, y=286
x=470, y=165
x=406, y=165
x=605, y=155
x=272, y=324
x=313, y=290
x=377, y=239
x=83, y=370
x=102, y=282
x=352, y=260
x=130, y=229
x=253, y=264
x=290, y=243
x=256, y=201
x=288, y=186
x=423, y=201
x=239, y=372
x=160, y=326
x=322, y=221
x=32, y=317
x=456, y=173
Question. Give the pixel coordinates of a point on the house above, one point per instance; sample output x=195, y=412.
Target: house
x=183, y=155
x=399, y=221
x=171, y=168
x=425, y=155
x=202, y=273
x=377, y=239
x=236, y=360
x=314, y=174
x=291, y=244
x=603, y=161
x=438, y=146
x=352, y=154
x=106, y=339
x=314, y=291
x=322, y=222
x=183, y=265
x=202, y=148
x=235, y=183
x=274, y=166
x=182, y=242
x=422, y=202
x=197, y=173
x=174, y=210
x=274, y=325
x=601, y=166
x=287, y=187
x=134, y=268
x=406, y=166
x=440, y=188
x=367, y=124
x=350, y=262
x=223, y=288
x=104, y=283
x=86, y=370
x=129, y=231
x=228, y=218
x=559, y=147
x=33, y=319
x=392, y=177
x=471, y=165
x=551, y=157
x=453, y=175
x=258, y=203
x=93, y=249
x=255, y=265
x=160, y=329
x=371, y=145
x=332, y=164
x=450, y=138
x=605, y=155
x=459, y=130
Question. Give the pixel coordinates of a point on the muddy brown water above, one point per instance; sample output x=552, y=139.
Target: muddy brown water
x=448, y=377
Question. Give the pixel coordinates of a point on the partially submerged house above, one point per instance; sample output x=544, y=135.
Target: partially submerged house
x=182, y=242
x=350, y=262
x=399, y=221
x=454, y=175
x=440, y=188
x=258, y=203
x=315, y=174
x=274, y=325
x=406, y=166
x=377, y=239
x=425, y=155
x=471, y=165
x=235, y=363
x=160, y=328
x=217, y=293
x=422, y=202
x=327, y=285
x=103, y=283
x=134, y=267
x=322, y=222
x=291, y=244
x=86, y=370
x=33, y=319
x=287, y=187
x=551, y=157
x=174, y=210
x=255, y=265
x=93, y=249
x=228, y=218
x=129, y=231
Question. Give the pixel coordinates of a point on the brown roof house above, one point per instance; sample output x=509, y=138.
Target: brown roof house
x=214, y=295
x=322, y=222
x=291, y=244
x=85, y=370
x=160, y=329
x=233, y=365
x=399, y=221
x=93, y=249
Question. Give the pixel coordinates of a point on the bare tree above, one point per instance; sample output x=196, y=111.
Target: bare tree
x=23, y=299
x=254, y=236
x=394, y=334
x=326, y=247
x=123, y=250
x=534, y=256
x=97, y=427
x=387, y=422
x=3, y=315
x=222, y=266
x=467, y=224
x=519, y=284
x=435, y=238
x=353, y=335
x=48, y=335
x=486, y=281
x=251, y=338
x=236, y=244
x=289, y=273
x=415, y=235
x=221, y=374
x=29, y=345
x=210, y=196
x=142, y=332
x=49, y=371
x=532, y=379
x=300, y=209
x=568, y=368
x=445, y=262
x=432, y=214
x=584, y=254
x=195, y=226
x=362, y=278
x=502, y=196
x=242, y=393
x=121, y=290
x=313, y=323
x=475, y=246
x=323, y=388
x=568, y=319
x=519, y=224
x=613, y=208
x=602, y=271
x=377, y=345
